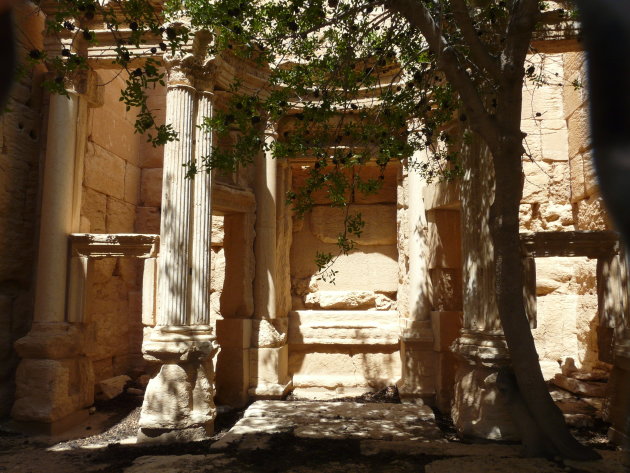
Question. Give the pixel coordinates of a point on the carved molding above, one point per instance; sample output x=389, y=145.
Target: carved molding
x=114, y=245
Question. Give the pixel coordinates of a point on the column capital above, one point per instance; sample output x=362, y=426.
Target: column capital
x=192, y=65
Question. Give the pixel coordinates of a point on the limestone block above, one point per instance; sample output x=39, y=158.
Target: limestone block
x=446, y=327
x=554, y=141
x=94, y=208
x=337, y=371
x=104, y=171
x=347, y=300
x=110, y=388
x=269, y=365
x=579, y=131
x=380, y=223
x=418, y=369
x=151, y=187
x=387, y=192
x=132, y=183
x=120, y=216
x=577, y=183
x=147, y=220
x=556, y=333
x=536, y=182
x=49, y=390
x=112, y=132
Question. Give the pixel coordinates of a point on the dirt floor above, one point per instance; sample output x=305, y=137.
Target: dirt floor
x=104, y=444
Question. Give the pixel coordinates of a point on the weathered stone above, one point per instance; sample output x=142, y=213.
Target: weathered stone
x=108, y=389
x=584, y=388
x=347, y=300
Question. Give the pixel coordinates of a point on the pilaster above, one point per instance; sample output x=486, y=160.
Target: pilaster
x=268, y=359
x=416, y=340
x=54, y=378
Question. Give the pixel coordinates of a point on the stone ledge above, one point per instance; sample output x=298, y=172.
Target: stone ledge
x=114, y=245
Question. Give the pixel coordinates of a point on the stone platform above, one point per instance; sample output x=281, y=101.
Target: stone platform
x=335, y=421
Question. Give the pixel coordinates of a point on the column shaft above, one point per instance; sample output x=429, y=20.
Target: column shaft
x=265, y=243
x=202, y=221
x=174, y=267
x=56, y=211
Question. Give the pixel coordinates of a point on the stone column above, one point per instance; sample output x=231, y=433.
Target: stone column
x=54, y=380
x=416, y=343
x=178, y=403
x=269, y=356
x=477, y=411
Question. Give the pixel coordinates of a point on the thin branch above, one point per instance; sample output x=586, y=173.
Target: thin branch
x=478, y=50
x=419, y=16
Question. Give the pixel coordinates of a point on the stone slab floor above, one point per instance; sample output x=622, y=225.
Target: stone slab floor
x=295, y=437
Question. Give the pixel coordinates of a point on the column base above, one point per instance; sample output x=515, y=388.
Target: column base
x=189, y=434
x=178, y=403
x=478, y=411
x=54, y=380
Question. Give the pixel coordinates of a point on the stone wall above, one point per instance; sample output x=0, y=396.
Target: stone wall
x=560, y=194
x=21, y=136
x=110, y=198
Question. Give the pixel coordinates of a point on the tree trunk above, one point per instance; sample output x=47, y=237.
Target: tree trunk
x=504, y=228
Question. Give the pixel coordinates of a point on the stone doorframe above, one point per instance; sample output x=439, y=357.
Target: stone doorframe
x=612, y=302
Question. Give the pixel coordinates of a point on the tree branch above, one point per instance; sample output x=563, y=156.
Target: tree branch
x=523, y=18
x=416, y=13
x=478, y=50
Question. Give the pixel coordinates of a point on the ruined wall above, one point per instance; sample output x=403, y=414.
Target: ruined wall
x=111, y=194
x=560, y=194
x=21, y=136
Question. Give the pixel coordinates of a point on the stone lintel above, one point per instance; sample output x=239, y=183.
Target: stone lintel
x=114, y=245
x=592, y=244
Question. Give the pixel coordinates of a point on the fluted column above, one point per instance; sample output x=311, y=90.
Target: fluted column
x=176, y=209
x=202, y=221
x=269, y=356
x=178, y=403
x=477, y=410
x=416, y=344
